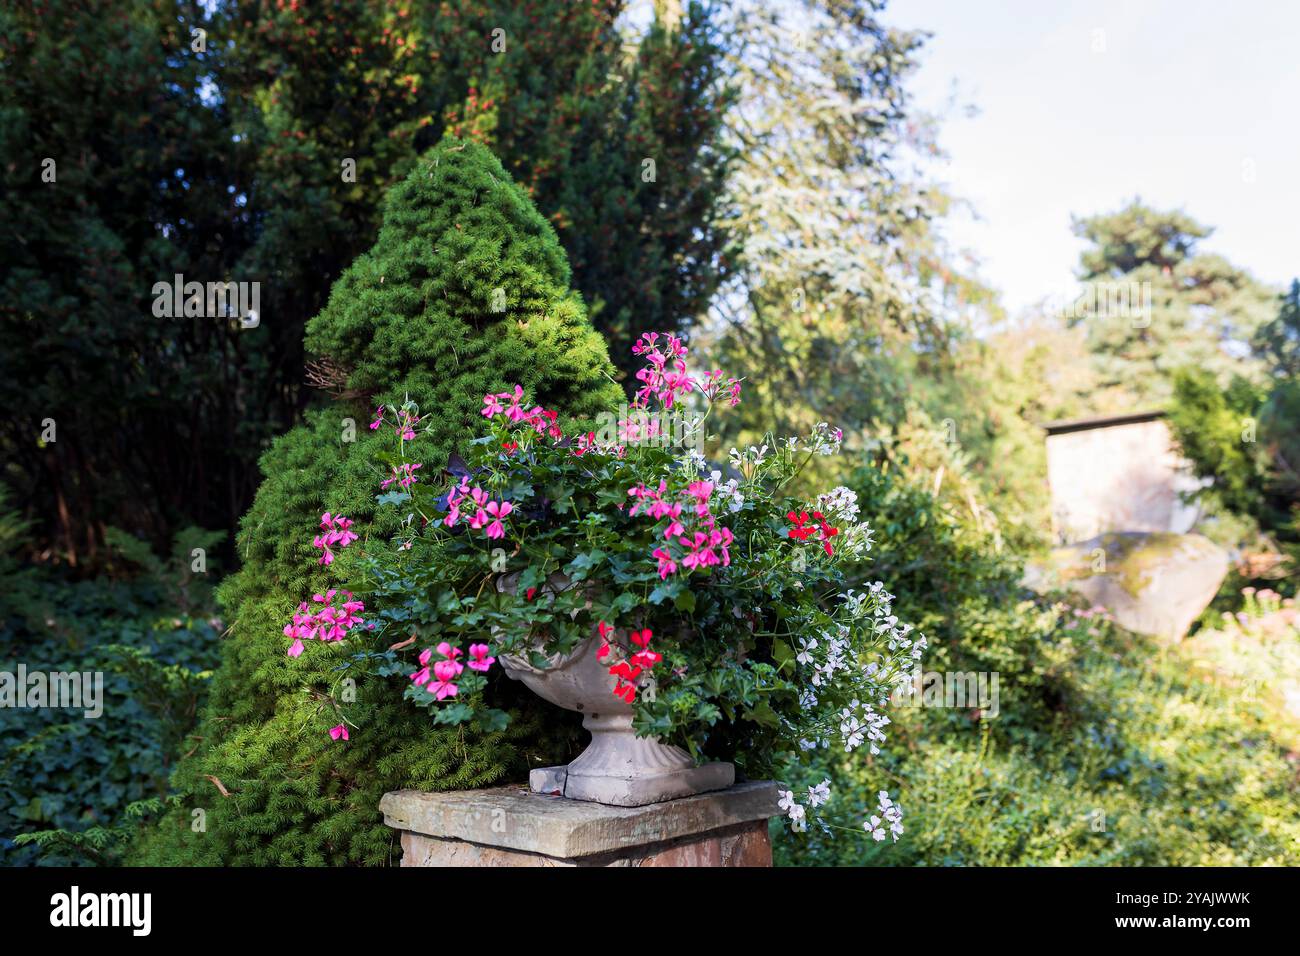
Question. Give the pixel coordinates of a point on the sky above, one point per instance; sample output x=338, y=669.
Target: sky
x=1082, y=105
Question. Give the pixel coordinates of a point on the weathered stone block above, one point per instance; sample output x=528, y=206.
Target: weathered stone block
x=507, y=826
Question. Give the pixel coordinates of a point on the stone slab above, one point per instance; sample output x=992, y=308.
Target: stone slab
x=744, y=845
x=513, y=819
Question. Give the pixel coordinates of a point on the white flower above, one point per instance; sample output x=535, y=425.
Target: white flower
x=696, y=462
x=893, y=815
x=851, y=730
x=842, y=501
x=819, y=794
x=792, y=809
x=806, y=647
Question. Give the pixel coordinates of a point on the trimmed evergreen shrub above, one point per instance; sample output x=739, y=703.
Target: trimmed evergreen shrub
x=418, y=315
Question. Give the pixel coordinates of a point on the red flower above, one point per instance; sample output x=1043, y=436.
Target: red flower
x=605, y=630
x=799, y=532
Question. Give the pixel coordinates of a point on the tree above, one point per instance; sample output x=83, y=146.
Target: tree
x=415, y=316
x=257, y=151
x=114, y=179
x=1246, y=437
x=1176, y=305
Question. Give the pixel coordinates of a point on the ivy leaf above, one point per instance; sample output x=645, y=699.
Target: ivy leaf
x=781, y=653
x=492, y=720
x=763, y=714
x=393, y=498
x=453, y=714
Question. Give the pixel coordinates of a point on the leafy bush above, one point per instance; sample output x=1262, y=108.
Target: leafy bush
x=71, y=787
x=1106, y=748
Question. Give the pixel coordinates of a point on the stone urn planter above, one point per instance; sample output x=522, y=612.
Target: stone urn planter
x=618, y=767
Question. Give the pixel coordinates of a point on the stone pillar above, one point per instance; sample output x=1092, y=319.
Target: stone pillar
x=510, y=826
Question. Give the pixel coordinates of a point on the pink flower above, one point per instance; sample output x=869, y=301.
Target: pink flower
x=675, y=527
x=479, y=659
x=701, y=491
x=667, y=565
x=480, y=515
x=515, y=411
x=327, y=556
x=450, y=653
x=454, y=497
x=444, y=673
x=426, y=655
x=605, y=630
x=700, y=553
x=330, y=623
x=339, y=731
x=344, y=537
x=498, y=510
x=403, y=474
x=420, y=677
x=379, y=418
x=492, y=405
x=336, y=532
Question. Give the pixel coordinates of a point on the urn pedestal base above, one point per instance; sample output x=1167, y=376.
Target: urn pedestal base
x=510, y=826
x=621, y=769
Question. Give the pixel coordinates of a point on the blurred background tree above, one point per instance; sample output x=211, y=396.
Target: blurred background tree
x=257, y=151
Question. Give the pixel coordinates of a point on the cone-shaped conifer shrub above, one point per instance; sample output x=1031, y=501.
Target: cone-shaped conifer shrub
x=466, y=291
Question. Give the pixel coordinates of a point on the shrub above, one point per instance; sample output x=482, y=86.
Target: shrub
x=465, y=290
x=1106, y=748
x=71, y=787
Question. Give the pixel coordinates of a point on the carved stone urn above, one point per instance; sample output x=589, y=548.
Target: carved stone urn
x=618, y=767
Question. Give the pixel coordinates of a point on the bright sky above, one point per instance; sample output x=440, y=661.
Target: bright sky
x=1083, y=104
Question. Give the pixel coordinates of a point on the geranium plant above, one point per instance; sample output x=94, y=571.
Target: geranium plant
x=717, y=592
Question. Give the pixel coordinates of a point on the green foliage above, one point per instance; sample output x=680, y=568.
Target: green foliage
x=101, y=89
x=73, y=787
x=1215, y=428
x=411, y=318
x=232, y=163
x=1245, y=439
x=1201, y=311
x=581, y=556
x=1167, y=771
x=1105, y=750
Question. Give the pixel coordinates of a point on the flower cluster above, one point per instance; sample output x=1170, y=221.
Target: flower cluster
x=802, y=530
x=543, y=421
x=336, y=532
x=486, y=512
x=630, y=532
x=714, y=386
x=628, y=671
x=818, y=795
x=665, y=376
x=403, y=475
x=692, y=538
x=892, y=816
x=405, y=421
x=440, y=681
x=326, y=623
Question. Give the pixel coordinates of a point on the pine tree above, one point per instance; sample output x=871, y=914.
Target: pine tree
x=1179, y=306
x=412, y=317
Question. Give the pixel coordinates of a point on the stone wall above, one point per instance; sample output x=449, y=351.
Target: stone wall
x=1123, y=476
